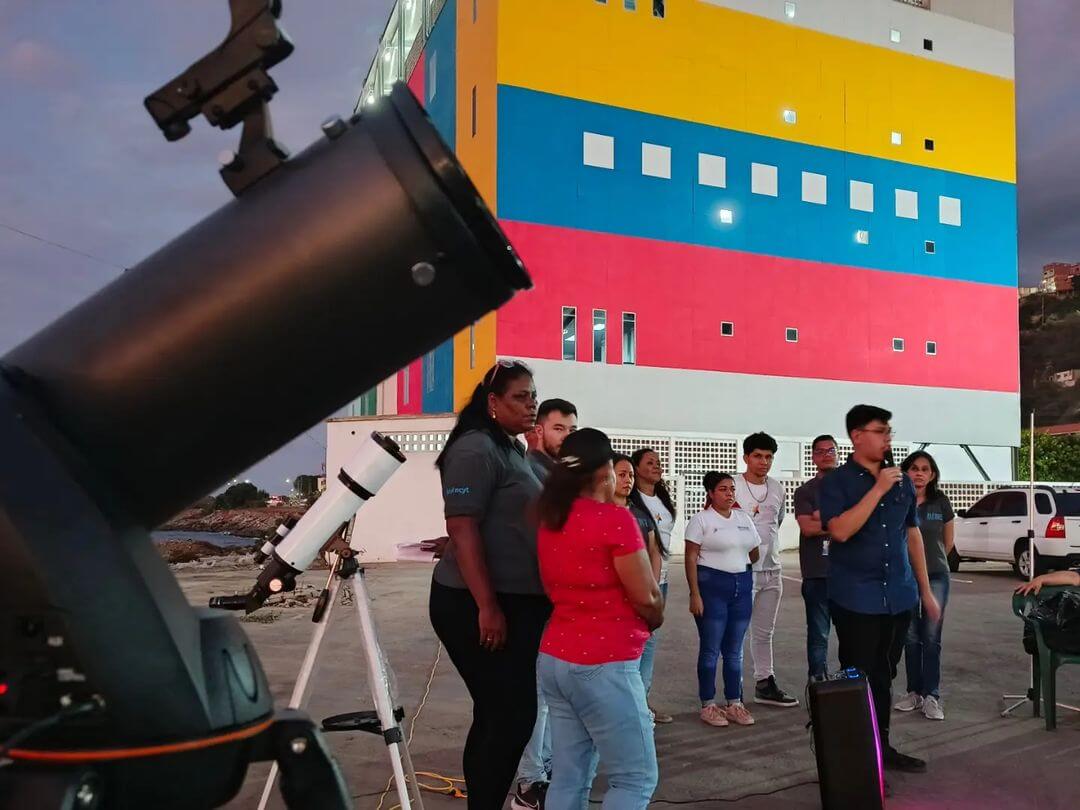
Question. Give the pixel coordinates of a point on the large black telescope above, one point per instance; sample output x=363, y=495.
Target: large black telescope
x=341, y=265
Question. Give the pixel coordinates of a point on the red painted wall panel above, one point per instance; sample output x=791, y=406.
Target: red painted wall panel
x=846, y=317
x=416, y=78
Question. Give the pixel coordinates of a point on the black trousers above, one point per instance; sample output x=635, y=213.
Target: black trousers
x=872, y=643
x=502, y=685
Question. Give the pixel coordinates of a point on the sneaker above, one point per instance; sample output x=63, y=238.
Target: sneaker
x=738, y=714
x=661, y=717
x=931, y=708
x=895, y=761
x=529, y=796
x=909, y=703
x=714, y=715
x=768, y=692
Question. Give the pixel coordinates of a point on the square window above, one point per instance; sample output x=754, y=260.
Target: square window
x=814, y=188
x=894, y=35
x=931, y=347
x=791, y=334
x=862, y=237
x=599, y=151
x=928, y=144
x=949, y=211
x=930, y=247
x=789, y=10
x=896, y=138
x=907, y=204
x=727, y=329
x=790, y=116
x=897, y=344
x=726, y=216
x=862, y=196
x=630, y=5
x=656, y=161
x=763, y=179
x=928, y=44
x=712, y=170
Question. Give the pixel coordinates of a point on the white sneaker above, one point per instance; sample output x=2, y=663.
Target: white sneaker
x=910, y=703
x=932, y=708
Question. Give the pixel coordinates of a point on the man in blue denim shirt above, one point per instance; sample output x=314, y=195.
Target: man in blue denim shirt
x=877, y=563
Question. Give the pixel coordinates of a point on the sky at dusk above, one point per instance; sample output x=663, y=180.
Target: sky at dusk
x=83, y=165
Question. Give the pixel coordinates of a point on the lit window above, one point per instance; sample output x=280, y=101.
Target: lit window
x=599, y=151
x=791, y=334
x=656, y=161
x=790, y=116
x=928, y=44
x=928, y=144
x=931, y=347
x=862, y=196
x=629, y=338
x=429, y=372
x=569, y=333
x=894, y=35
x=930, y=247
x=789, y=10
x=907, y=204
x=897, y=344
x=599, y=340
x=727, y=329
x=432, y=75
x=474, y=111
x=726, y=216
x=814, y=188
x=862, y=237
x=949, y=211
x=712, y=170
x=763, y=179
x=896, y=138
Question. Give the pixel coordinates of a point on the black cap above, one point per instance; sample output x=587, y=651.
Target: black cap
x=586, y=450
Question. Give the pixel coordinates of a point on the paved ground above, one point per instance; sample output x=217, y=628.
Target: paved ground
x=977, y=758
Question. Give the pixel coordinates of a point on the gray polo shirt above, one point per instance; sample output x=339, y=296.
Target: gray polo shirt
x=497, y=486
x=812, y=560
x=541, y=464
x=933, y=515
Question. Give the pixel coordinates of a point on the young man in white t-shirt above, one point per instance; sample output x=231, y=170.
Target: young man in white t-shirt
x=762, y=498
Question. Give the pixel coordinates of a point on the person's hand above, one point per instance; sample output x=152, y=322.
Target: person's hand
x=931, y=609
x=492, y=628
x=437, y=546
x=816, y=515
x=1031, y=587
x=697, y=606
x=887, y=478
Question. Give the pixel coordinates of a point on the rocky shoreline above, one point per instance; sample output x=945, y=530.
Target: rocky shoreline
x=252, y=523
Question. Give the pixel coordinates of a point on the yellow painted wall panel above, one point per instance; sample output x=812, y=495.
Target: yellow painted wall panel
x=715, y=66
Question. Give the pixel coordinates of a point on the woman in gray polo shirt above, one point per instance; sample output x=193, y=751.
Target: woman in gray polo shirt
x=487, y=602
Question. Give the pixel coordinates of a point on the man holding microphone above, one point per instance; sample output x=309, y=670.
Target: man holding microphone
x=877, y=575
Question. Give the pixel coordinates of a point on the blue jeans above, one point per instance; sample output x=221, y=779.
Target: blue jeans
x=815, y=594
x=922, y=651
x=535, y=765
x=728, y=601
x=648, y=657
x=598, y=713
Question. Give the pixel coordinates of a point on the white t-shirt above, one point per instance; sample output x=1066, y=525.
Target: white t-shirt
x=764, y=503
x=665, y=522
x=725, y=542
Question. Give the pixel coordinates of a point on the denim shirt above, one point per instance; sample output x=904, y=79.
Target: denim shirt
x=871, y=572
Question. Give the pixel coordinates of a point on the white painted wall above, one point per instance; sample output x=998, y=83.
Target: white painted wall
x=972, y=34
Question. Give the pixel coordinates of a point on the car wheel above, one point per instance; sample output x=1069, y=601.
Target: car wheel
x=954, y=561
x=1021, y=561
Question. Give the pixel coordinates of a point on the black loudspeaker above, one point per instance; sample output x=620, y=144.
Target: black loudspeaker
x=846, y=743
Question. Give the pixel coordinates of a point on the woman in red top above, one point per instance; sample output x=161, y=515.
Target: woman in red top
x=597, y=574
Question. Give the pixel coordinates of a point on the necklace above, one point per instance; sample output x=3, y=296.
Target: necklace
x=750, y=489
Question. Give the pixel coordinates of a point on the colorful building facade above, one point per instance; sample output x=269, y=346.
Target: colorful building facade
x=738, y=214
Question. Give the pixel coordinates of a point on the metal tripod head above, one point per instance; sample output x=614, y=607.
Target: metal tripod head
x=230, y=85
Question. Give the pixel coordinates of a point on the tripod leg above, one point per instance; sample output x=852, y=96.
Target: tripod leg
x=384, y=702
x=309, y=775
x=300, y=687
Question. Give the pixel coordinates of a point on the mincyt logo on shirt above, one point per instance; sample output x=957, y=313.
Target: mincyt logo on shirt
x=457, y=491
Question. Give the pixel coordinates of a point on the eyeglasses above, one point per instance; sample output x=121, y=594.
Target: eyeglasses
x=489, y=378
x=824, y=451
x=885, y=431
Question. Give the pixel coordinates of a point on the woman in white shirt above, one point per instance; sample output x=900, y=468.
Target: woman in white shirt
x=721, y=545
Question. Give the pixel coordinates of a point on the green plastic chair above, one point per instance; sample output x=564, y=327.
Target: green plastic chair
x=1048, y=661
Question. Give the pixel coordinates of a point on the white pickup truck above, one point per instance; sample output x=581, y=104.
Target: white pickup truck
x=995, y=528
